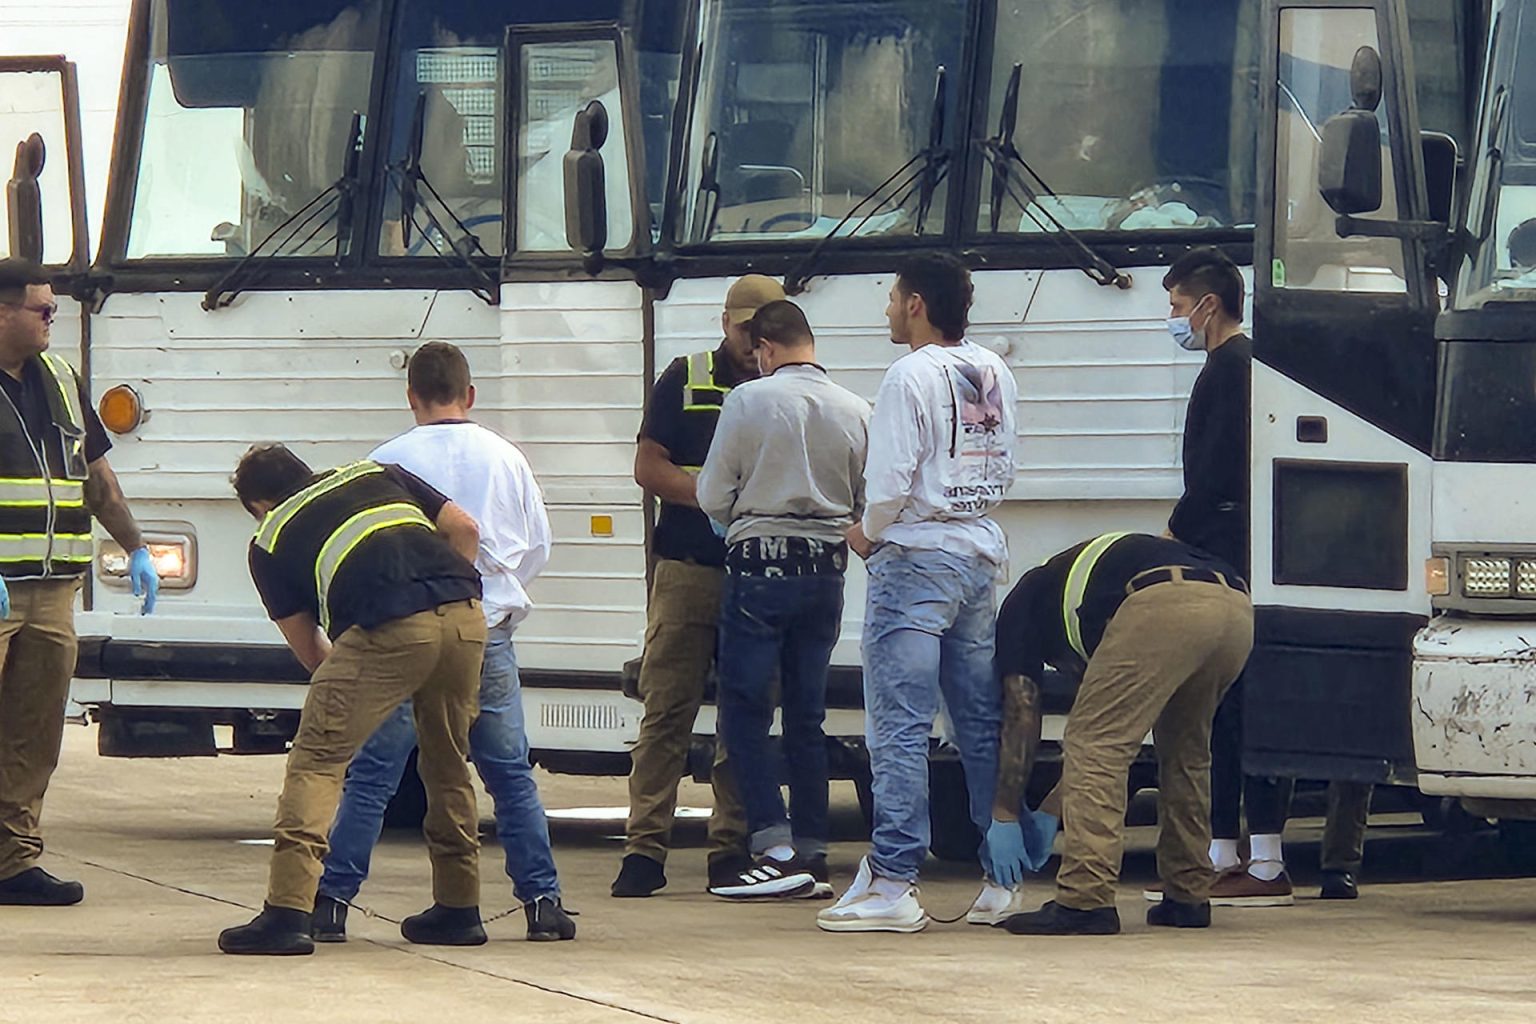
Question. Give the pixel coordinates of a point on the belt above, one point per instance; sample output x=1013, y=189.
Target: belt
x=1186, y=574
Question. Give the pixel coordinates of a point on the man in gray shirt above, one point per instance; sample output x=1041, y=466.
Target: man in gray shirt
x=785, y=477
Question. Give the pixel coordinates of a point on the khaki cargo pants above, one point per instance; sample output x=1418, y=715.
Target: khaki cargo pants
x=1167, y=657
x=680, y=639
x=433, y=658
x=37, y=650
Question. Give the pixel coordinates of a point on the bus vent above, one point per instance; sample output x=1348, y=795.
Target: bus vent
x=602, y=717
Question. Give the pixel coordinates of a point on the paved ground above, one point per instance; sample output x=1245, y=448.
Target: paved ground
x=172, y=851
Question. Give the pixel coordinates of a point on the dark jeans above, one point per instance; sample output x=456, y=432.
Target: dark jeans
x=784, y=628
x=1268, y=801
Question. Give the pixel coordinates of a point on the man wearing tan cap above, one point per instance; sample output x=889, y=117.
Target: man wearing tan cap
x=684, y=605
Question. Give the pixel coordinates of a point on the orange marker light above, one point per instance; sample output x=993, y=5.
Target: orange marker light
x=121, y=409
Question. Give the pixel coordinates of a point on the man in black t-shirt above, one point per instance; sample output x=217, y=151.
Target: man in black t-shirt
x=1205, y=295
x=684, y=607
x=1158, y=630
x=368, y=573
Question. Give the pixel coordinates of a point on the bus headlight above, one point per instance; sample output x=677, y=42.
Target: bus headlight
x=174, y=555
x=1486, y=577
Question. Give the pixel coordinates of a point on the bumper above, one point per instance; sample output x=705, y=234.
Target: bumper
x=1474, y=708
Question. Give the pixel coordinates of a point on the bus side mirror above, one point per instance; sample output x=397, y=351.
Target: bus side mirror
x=24, y=200
x=586, y=190
x=1441, y=159
x=1349, y=160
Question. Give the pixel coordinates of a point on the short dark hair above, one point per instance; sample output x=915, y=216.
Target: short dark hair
x=945, y=285
x=1207, y=271
x=17, y=274
x=438, y=373
x=781, y=322
x=269, y=472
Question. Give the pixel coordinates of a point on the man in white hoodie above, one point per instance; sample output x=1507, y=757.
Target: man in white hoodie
x=940, y=459
x=491, y=479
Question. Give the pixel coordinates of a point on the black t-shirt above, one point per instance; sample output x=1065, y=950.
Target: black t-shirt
x=30, y=397
x=684, y=533
x=392, y=574
x=1213, y=514
x=1031, y=625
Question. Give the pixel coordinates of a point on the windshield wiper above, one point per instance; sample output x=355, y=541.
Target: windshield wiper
x=412, y=181
x=335, y=205
x=1003, y=155
x=922, y=174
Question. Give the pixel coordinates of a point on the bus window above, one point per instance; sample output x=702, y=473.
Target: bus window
x=246, y=122
x=1317, y=47
x=814, y=104
x=32, y=102
x=557, y=80
x=1138, y=114
x=450, y=62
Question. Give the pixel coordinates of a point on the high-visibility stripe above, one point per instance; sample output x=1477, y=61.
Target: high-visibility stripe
x=34, y=547
x=353, y=532
x=1077, y=586
x=272, y=525
x=701, y=385
x=64, y=379
x=24, y=491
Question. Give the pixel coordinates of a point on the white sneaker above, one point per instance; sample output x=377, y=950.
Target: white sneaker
x=865, y=909
x=996, y=904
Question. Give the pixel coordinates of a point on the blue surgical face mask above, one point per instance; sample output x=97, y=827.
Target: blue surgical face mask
x=1183, y=332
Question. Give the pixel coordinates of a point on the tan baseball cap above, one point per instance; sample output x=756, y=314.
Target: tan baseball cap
x=750, y=294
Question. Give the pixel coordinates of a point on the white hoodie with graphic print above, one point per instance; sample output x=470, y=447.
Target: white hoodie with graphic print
x=941, y=444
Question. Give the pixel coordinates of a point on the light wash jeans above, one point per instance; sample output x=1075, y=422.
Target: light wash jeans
x=498, y=746
x=929, y=630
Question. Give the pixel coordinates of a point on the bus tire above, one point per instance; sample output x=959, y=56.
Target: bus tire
x=952, y=834
x=408, y=807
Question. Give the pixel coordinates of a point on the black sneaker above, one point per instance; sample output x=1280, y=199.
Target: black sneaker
x=444, y=926
x=329, y=921
x=35, y=887
x=767, y=877
x=1055, y=919
x=1338, y=885
x=276, y=931
x=725, y=868
x=1170, y=913
x=548, y=921
x=638, y=876
x=822, y=890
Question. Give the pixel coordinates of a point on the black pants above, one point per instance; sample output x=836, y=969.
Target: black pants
x=1268, y=801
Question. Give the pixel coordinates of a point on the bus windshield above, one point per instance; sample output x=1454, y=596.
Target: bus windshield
x=1138, y=114
x=247, y=117
x=811, y=105
x=1501, y=211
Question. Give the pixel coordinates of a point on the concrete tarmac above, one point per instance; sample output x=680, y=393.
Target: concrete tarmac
x=171, y=851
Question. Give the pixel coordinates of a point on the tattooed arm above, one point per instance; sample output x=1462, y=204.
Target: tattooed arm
x=1020, y=744
x=105, y=499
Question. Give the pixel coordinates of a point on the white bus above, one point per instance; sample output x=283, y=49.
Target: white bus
x=301, y=194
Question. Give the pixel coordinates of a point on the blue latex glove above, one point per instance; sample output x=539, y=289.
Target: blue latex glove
x=1007, y=857
x=5, y=600
x=1039, y=830
x=145, y=581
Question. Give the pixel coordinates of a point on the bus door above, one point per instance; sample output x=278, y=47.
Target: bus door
x=574, y=329
x=43, y=216
x=1343, y=395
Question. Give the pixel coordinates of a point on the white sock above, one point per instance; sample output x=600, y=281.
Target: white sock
x=1224, y=854
x=1268, y=859
x=780, y=853
x=890, y=888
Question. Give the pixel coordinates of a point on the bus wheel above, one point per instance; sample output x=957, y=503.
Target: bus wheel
x=952, y=835
x=408, y=807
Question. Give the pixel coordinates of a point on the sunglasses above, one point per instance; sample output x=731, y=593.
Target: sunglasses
x=47, y=312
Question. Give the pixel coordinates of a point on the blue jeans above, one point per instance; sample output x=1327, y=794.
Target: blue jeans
x=498, y=746
x=785, y=627
x=929, y=629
